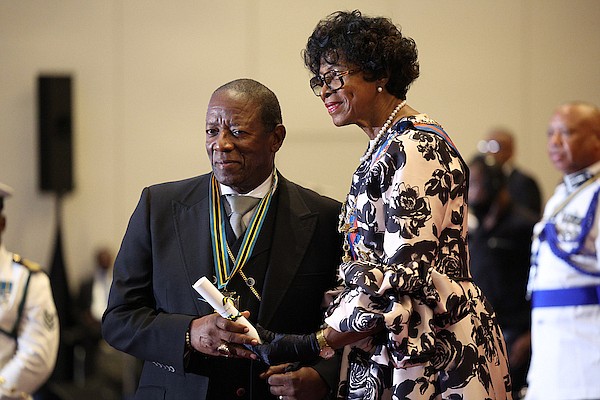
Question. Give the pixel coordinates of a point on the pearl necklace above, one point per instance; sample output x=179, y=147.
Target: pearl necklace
x=373, y=144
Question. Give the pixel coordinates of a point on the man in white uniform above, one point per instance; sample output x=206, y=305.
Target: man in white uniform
x=28, y=322
x=564, y=279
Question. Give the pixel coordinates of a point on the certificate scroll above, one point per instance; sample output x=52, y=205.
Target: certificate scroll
x=224, y=307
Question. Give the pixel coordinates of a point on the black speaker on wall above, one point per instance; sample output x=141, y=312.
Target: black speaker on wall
x=55, y=128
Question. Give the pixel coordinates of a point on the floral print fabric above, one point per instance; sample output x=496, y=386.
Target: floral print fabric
x=405, y=222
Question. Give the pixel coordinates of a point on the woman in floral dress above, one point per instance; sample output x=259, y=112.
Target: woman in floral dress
x=413, y=324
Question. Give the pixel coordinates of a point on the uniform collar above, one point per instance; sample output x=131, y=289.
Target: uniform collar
x=5, y=256
x=576, y=179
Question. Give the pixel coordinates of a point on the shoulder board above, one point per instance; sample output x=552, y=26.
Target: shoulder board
x=30, y=265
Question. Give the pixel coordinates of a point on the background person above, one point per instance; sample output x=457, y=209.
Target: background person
x=178, y=231
x=29, y=329
x=407, y=286
x=522, y=187
x=500, y=250
x=103, y=367
x=565, y=273
x=92, y=301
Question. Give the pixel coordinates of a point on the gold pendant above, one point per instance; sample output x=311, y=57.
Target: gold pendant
x=346, y=247
x=232, y=297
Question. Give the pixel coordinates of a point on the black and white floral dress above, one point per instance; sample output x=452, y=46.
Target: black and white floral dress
x=408, y=268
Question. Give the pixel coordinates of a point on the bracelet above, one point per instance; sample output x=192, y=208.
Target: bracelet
x=325, y=350
x=189, y=349
x=321, y=339
x=188, y=341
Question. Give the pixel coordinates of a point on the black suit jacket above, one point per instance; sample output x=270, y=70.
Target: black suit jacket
x=500, y=261
x=525, y=191
x=167, y=247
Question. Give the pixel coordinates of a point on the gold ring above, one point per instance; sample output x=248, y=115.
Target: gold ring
x=223, y=349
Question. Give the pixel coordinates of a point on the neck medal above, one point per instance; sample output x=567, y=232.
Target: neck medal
x=225, y=266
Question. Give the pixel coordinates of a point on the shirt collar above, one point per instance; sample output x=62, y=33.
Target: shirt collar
x=259, y=192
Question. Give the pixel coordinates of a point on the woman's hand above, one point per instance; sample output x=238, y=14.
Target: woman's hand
x=280, y=348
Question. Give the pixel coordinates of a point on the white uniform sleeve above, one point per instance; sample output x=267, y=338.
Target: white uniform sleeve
x=37, y=342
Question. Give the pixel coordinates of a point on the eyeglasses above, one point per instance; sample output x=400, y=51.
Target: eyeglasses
x=488, y=146
x=332, y=79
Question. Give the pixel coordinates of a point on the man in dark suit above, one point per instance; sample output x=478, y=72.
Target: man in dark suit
x=523, y=188
x=91, y=303
x=500, y=250
x=180, y=231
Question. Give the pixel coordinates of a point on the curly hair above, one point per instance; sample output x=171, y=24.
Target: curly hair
x=373, y=44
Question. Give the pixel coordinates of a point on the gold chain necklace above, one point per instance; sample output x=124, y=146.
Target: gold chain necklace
x=249, y=281
x=345, y=229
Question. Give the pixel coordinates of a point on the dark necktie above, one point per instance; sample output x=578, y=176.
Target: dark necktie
x=240, y=205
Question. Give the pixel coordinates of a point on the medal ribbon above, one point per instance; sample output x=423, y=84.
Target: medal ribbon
x=225, y=267
x=353, y=236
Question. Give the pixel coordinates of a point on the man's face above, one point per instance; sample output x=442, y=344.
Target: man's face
x=573, y=144
x=104, y=259
x=502, y=146
x=239, y=148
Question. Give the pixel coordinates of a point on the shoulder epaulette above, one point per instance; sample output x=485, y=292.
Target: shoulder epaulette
x=30, y=265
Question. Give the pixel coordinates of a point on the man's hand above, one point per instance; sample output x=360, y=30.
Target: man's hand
x=302, y=384
x=217, y=336
x=520, y=351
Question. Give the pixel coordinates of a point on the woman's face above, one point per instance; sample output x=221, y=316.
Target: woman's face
x=353, y=103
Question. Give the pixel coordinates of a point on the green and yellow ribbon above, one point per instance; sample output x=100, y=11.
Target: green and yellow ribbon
x=225, y=267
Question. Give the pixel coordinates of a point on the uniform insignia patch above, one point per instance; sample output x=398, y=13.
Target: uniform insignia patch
x=49, y=319
x=5, y=290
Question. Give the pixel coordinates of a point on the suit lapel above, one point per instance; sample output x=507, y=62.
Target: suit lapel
x=192, y=222
x=294, y=228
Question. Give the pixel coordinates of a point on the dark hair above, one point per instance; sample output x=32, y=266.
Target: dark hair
x=373, y=44
x=261, y=95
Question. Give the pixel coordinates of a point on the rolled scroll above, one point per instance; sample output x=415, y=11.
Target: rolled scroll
x=223, y=305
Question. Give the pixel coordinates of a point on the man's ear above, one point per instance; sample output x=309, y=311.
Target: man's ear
x=278, y=137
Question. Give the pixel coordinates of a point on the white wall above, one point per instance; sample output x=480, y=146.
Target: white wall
x=144, y=70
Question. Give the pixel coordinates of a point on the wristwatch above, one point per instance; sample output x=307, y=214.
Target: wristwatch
x=326, y=352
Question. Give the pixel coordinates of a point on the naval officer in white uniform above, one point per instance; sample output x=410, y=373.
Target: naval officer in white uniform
x=29, y=330
x=564, y=279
